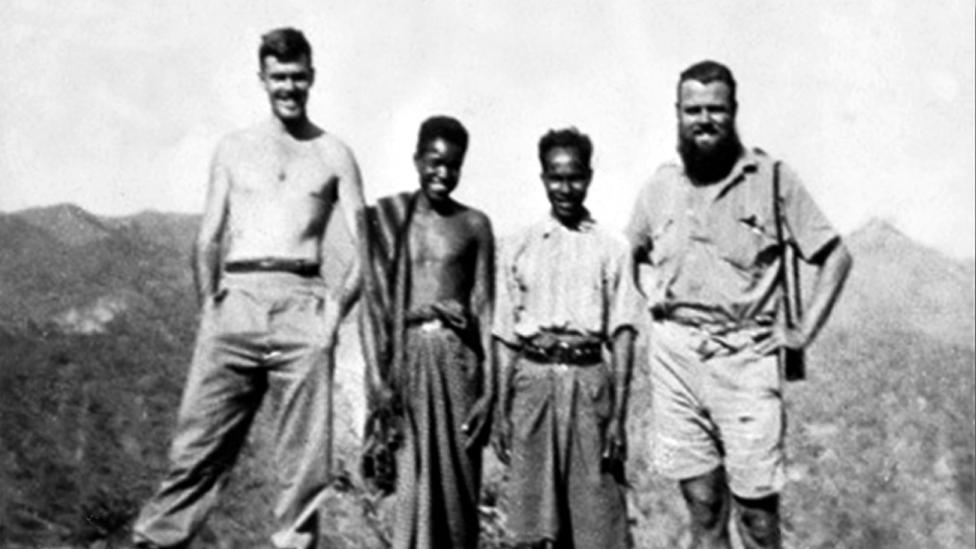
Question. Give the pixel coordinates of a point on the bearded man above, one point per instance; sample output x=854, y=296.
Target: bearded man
x=712, y=241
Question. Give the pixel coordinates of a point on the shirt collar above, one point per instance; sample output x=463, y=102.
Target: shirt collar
x=747, y=163
x=551, y=224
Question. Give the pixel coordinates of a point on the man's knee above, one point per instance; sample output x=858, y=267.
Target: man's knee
x=707, y=497
x=758, y=521
x=709, y=489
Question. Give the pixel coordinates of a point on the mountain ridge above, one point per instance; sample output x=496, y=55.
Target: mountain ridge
x=97, y=328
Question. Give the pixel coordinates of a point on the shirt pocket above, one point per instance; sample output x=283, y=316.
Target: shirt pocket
x=749, y=242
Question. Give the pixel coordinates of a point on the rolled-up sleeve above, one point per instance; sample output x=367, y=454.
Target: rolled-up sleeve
x=638, y=231
x=625, y=304
x=506, y=293
x=808, y=227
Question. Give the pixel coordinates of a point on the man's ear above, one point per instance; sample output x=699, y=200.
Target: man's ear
x=261, y=71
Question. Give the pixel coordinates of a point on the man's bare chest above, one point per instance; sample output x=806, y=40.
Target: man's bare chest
x=275, y=170
x=440, y=241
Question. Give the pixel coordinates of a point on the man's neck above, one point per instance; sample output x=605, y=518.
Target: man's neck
x=442, y=208
x=573, y=222
x=299, y=129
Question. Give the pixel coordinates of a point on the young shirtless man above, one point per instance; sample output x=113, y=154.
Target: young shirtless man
x=267, y=318
x=436, y=256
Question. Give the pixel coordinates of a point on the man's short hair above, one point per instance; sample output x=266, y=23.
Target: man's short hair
x=709, y=71
x=570, y=138
x=285, y=44
x=442, y=127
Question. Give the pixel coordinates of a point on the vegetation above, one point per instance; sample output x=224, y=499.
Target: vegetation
x=881, y=439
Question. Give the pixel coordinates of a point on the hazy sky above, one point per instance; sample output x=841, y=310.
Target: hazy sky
x=116, y=105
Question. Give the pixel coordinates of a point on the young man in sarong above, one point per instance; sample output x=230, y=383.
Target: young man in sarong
x=429, y=298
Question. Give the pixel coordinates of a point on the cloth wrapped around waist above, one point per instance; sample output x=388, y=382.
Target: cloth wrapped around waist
x=449, y=314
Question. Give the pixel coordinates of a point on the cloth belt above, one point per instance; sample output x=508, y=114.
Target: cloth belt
x=427, y=325
x=703, y=321
x=718, y=338
x=560, y=351
x=448, y=313
x=300, y=267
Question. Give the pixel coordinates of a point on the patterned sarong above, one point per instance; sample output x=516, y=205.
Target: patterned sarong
x=431, y=357
x=439, y=479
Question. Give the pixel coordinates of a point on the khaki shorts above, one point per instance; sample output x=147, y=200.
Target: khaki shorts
x=726, y=410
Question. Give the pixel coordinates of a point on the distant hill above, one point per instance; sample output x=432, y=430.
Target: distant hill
x=169, y=230
x=62, y=261
x=97, y=320
x=903, y=285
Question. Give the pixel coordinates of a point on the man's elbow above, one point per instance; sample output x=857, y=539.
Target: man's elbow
x=205, y=246
x=837, y=262
x=844, y=259
x=207, y=237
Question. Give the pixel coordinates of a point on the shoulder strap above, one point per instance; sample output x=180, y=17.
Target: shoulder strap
x=776, y=207
x=791, y=361
x=788, y=312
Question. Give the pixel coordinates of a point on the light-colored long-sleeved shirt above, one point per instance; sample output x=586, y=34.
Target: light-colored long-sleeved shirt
x=552, y=277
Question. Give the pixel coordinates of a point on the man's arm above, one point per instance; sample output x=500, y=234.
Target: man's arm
x=637, y=233
x=504, y=343
x=505, y=356
x=353, y=207
x=478, y=423
x=833, y=264
x=207, y=249
x=623, y=365
x=352, y=204
x=626, y=311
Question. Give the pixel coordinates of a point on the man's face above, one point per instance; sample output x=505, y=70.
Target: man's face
x=706, y=115
x=287, y=84
x=438, y=164
x=566, y=180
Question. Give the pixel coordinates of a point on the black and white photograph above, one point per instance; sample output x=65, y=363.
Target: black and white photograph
x=441, y=274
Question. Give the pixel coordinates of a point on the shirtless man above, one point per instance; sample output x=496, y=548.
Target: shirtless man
x=440, y=255
x=267, y=318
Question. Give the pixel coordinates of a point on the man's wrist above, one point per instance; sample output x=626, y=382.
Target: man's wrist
x=619, y=416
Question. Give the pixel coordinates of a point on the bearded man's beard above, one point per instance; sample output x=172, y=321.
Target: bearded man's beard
x=710, y=165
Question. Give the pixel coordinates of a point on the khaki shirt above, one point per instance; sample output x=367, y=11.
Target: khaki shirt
x=550, y=277
x=712, y=250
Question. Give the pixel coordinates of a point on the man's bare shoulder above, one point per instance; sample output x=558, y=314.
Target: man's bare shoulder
x=240, y=141
x=475, y=219
x=334, y=149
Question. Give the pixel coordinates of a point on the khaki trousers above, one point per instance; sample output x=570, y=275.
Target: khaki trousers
x=261, y=330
